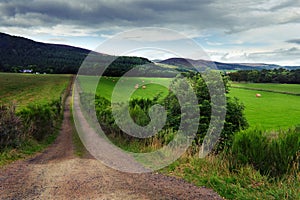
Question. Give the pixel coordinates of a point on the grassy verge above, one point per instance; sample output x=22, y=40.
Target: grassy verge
x=214, y=172
x=28, y=148
x=79, y=148
x=218, y=172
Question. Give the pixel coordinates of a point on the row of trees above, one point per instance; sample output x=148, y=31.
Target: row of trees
x=280, y=75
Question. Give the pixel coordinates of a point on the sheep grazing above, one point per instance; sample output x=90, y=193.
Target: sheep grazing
x=144, y=87
x=258, y=95
x=136, y=86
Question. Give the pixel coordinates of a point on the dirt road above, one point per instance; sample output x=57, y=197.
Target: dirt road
x=57, y=174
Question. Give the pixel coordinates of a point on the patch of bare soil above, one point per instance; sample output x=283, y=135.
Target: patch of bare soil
x=57, y=174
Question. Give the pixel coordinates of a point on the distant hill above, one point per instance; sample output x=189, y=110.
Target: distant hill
x=188, y=64
x=18, y=54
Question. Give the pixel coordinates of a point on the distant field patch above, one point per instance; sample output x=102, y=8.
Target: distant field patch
x=106, y=86
x=271, y=110
x=23, y=89
x=284, y=88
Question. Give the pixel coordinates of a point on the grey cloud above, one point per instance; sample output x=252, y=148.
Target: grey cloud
x=295, y=41
x=276, y=55
x=230, y=16
x=273, y=56
x=285, y=4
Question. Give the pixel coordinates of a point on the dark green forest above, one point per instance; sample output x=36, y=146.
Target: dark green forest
x=267, y=76
x=19, y=54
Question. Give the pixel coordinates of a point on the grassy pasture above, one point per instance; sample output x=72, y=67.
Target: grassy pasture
x=23, y=89
x=272, y=110
x=284, y=88
x=106, y=86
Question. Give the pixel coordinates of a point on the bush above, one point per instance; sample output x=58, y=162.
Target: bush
x=11, y=128
x=273, y=155
x=234, y=120
x=41, y=120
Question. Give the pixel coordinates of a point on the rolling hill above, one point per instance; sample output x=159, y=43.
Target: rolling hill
x=189, y=64
x=18, y=54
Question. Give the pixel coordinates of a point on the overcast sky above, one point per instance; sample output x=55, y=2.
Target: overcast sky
x=229, y=31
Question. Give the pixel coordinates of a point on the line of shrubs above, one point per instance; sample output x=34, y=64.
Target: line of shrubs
x=272, y=154
x=36, y=121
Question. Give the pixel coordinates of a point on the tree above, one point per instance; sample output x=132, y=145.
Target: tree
x=234, y=120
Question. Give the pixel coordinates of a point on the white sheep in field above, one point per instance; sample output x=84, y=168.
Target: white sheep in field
x=258, y=95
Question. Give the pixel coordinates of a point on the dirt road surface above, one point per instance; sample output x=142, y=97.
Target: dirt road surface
x=57, y=173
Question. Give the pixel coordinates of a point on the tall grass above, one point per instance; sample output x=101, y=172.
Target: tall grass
x=245, y=183
x=11, y=128
x=258, y=165
x=275, y=154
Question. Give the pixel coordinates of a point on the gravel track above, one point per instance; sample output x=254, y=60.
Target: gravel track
x=57, y=173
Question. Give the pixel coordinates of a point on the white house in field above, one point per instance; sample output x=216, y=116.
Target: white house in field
x=27, y=70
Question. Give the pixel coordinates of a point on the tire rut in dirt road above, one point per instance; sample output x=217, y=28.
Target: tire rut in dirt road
x=57, y=174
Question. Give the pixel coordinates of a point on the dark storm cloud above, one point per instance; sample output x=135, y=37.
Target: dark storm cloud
x=114, y=13
x=230, y=16
x=135, y=13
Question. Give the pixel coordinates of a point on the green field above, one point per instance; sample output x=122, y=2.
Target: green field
x=284, y=88
x=271, y=110
x=154, y=86
x=22, y=89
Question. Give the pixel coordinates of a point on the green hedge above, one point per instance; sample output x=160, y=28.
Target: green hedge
x=36, y=121
x=41, y=120
x=11, y=128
